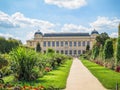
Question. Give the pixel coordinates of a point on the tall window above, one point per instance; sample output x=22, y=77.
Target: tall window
x=66, y=52
x=57, y=43
x=62, y=52
x=70, y=43
x=57, y=51
x=66, y=43
x=75, y=52
x=79, y=43
x=49, y=44
x=44, y=43
x=79, y=52
x=83, y=51
x=30, y=43
x=75, y=43
x=61, y=43
x=83, y=43
x=88, y=42
x=70, y=52
x=53, y=43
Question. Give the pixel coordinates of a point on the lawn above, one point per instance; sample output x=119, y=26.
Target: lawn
x=107, y=77
x=56, y=78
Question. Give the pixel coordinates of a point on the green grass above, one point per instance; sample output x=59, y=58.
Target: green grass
x=107, y=77
x=56, y=78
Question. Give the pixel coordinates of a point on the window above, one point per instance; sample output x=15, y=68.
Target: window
x=66, y=52
x=49, y=44
x=62, y=52
x=70, y=52
x=44, y=43
x=83, y=43
x=79, y=43
x=75, y=52
x=57, y=51
x=30, y=43
x=57, y=43
x=53, y=43
x=83, y=51
x=79, y=52
x=70, y=43
x=88, y=42
x=61, y=43
x=75, y=43
x=66, y=43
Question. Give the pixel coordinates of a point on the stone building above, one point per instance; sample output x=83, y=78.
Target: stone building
x=66, y=43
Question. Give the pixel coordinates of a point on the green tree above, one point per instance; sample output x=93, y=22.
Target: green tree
x=108, y=51
x=118, y=47
x=102, y=38
x=95, y=51
x=87, y=47
x=38, y=47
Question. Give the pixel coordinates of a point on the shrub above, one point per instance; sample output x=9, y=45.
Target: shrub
x=108, y=49
x=95, y=51
x=24, y=61
x=3, y=62
x=118, y=51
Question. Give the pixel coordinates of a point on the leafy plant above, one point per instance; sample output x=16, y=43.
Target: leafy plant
x=24, y=61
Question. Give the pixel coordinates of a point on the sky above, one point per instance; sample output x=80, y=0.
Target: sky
x=20, y=19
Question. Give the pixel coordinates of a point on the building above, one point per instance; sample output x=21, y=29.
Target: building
x=66, y=43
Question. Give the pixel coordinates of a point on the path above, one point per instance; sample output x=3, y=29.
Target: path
x=81, y=79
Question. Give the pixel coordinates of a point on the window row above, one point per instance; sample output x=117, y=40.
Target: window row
x=70, y=52
x=65, y=43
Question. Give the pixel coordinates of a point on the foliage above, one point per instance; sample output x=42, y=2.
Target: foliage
x=38, y=47
x=7, y=45
x=118, y=51
x=107, y=77
x=50, y=50
x=95, y=51
x=87, y=47
x=3, y=62
x=58, y=77
x=24, y=61
x=101, y=38
x=108, y=49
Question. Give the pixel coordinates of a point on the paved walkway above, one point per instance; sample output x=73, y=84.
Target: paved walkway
x=81, y=79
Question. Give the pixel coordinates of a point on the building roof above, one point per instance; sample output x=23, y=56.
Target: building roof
x=65, y=34
x=38, y=32
x=94, y=32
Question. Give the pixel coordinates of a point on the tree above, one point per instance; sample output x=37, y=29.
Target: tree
x=102, y=38
x=38, y=48
x=87, y=47
x=108, y=51
x=95, y=51
x=118, y=47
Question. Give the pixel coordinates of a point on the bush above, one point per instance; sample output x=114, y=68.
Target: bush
x=118, y=51
x=24, y=61
x=108, y=49
x=95, y=51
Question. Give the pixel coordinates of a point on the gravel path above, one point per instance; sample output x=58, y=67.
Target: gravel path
x=81, y=79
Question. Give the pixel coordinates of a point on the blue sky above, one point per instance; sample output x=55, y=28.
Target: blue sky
x=21, y=18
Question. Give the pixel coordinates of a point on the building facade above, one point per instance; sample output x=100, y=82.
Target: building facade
x=66, y=43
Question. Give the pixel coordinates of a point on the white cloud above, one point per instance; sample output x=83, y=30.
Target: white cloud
x=6, y=21
x=18, y=20
x=75, y=28
x=70, y=4
x=114, y=35
x=105, y=23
